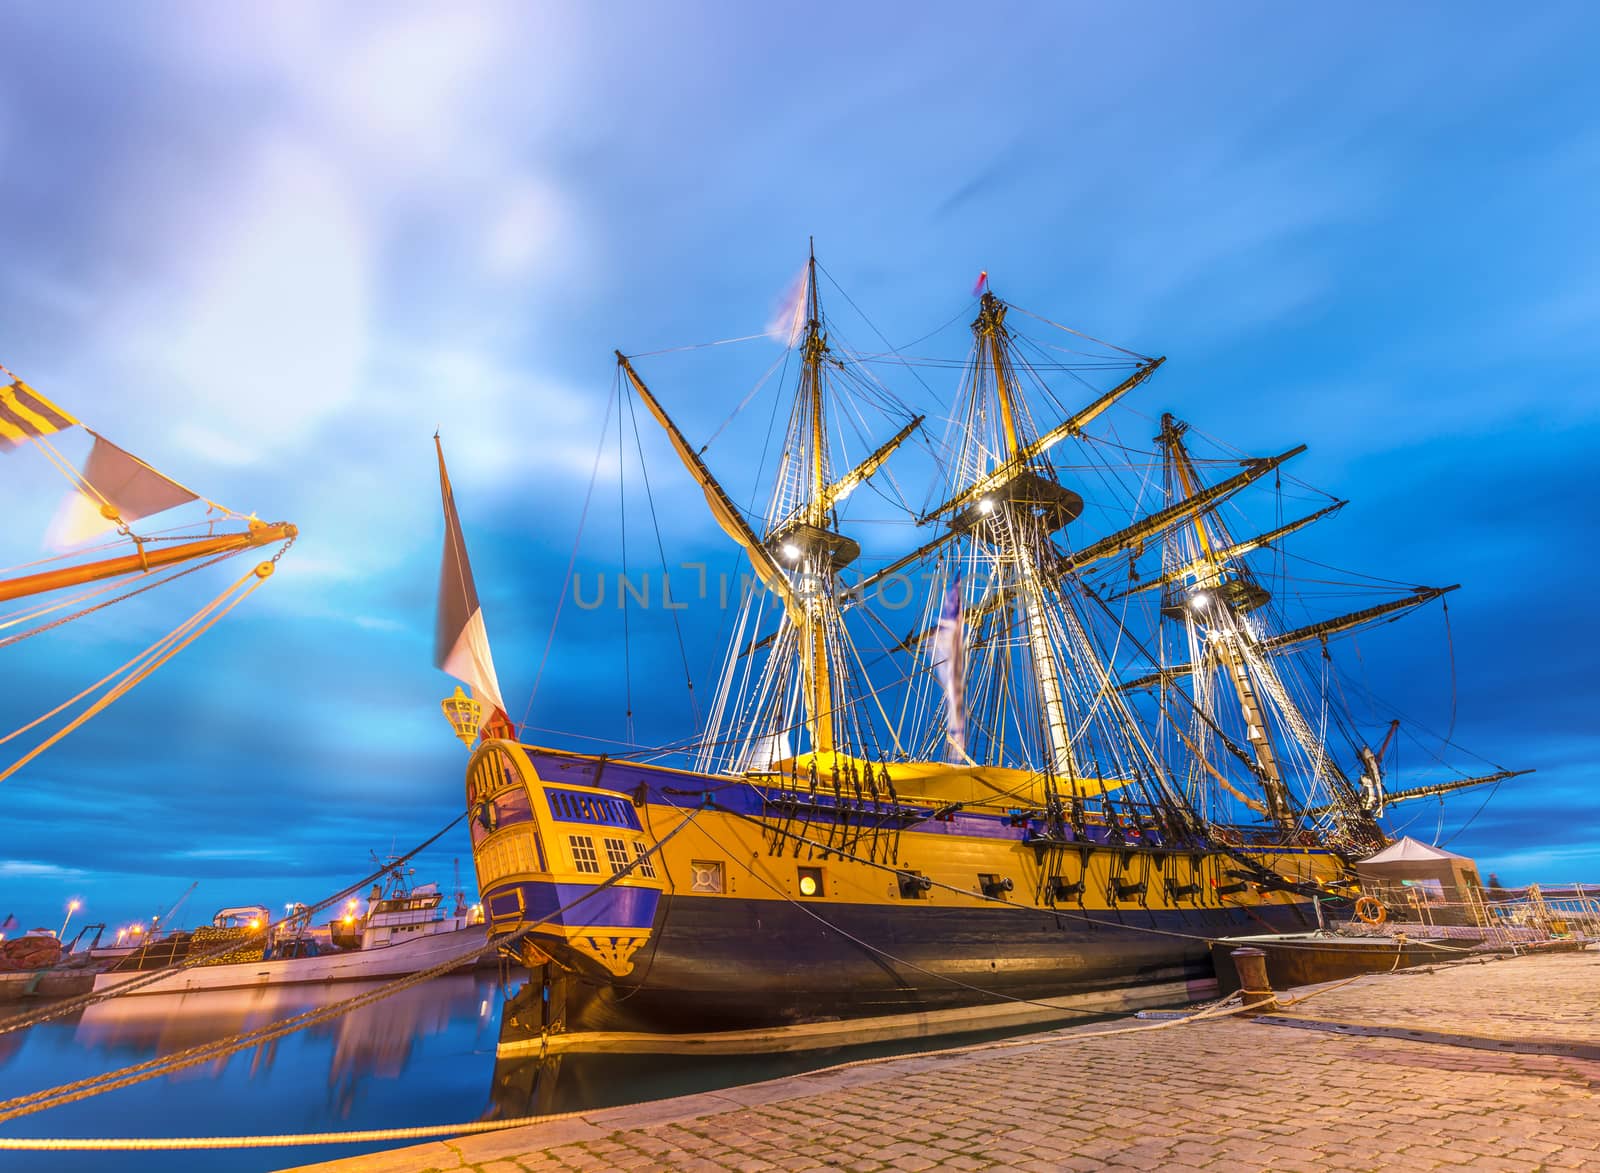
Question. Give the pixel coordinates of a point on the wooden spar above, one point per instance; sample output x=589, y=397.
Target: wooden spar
x=722, y=506
x=1436, y=789
x=1022, y=456
x=1356, y=618
x=1311, y=631
x=1238, y=549
x=1148, y=527
x=845, y=485
x=149, y=558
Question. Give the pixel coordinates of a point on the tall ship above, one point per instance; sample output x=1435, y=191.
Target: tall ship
x=1105, y=731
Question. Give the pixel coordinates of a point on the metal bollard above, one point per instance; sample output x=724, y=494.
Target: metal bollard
x=1251, y=966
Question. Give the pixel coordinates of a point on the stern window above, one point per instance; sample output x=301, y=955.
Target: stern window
x=583, y=856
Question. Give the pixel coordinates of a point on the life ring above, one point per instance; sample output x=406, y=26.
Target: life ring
x=1370, y=910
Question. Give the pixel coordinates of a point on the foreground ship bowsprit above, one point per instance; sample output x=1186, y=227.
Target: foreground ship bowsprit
x=1092, y=754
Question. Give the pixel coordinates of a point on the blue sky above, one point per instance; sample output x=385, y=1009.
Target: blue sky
x=270, y=250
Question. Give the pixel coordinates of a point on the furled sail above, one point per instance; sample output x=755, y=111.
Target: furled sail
x=461, y=642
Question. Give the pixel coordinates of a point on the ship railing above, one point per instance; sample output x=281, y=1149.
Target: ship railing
x=1496, y=917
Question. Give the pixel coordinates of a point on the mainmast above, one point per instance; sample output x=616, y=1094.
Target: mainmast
x=1023, y=548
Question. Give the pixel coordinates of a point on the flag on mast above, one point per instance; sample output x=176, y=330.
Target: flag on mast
x=24, y=414
x=115, y=487
x=949, y=666
x=461, y=643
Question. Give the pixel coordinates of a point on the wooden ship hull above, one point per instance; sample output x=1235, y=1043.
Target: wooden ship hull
x=908, y=915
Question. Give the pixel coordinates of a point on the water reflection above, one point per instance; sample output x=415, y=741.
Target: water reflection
x=378, y=1040
x=424, y=1055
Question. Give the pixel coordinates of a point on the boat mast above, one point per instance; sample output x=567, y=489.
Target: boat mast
x=1020, y=543
x=1208, y=600
x=818, y=682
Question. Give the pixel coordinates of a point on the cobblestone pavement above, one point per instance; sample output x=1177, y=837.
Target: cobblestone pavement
x=1229, y=1094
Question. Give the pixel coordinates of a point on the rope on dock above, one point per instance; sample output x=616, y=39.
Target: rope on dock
x=83, y=1089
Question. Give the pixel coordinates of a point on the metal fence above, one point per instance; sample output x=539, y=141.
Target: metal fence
x=1495, y=916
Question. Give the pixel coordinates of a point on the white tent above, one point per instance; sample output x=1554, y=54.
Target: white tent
x=1410, y=872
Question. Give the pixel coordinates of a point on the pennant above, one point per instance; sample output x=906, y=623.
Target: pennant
x=119, y=483
x=981, y=285
x=10, y=923
x=461, y=641
x=24, y=413
x=949, y=666
x=789, y=319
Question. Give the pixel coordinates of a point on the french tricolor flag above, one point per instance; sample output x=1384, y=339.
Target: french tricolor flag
x=461, y=643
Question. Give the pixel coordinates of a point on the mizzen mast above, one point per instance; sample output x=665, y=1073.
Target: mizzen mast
x=1219, y=599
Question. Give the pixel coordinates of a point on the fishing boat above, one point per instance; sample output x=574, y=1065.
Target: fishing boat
x=1102, y=745
x=404, y=929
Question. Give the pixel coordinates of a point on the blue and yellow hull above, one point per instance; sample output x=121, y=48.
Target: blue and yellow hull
x=783, y=900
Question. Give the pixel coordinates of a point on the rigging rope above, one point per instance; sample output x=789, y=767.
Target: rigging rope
x=572, y=559
x=159, y=653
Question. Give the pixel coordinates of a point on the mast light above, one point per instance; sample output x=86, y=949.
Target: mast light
x=1199, y=600
x=791, y=551
x=986, y=505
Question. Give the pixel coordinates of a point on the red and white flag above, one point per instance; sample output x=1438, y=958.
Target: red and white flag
x=115, y=487
x=461, y=642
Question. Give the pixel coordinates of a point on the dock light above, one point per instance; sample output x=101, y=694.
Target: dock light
x=72, y=907
x=985, y=504
x=255, y=922
x=791, y=551
x=348, y=919
x=135, y=930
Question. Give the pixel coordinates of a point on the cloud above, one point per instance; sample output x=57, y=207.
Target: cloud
x=20, y=868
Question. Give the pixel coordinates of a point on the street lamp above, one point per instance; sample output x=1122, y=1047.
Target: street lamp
x=72, y=907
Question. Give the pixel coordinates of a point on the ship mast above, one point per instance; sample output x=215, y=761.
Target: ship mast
x=818, y=682
x=798, y=558
x=1022, y=548
x=1218, y=607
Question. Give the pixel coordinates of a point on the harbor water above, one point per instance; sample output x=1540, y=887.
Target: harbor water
x=423, y=1056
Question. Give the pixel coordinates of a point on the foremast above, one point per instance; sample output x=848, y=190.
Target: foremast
x=797, y=558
